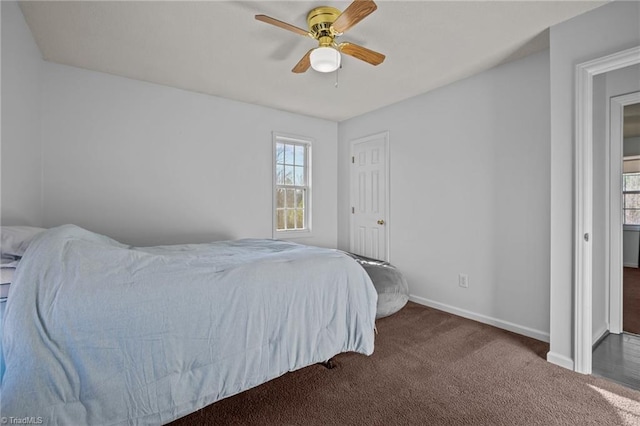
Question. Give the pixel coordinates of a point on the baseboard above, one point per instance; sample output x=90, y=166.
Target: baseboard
x=630, y=265
x=506, y=325
x=597, y=341
x=560, y=360
x=599, y=335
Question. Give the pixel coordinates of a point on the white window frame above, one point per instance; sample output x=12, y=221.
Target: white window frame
x=278, y=137
x=628, y=226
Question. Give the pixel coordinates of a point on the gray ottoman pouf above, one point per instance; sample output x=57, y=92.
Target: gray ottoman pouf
x=392, y=287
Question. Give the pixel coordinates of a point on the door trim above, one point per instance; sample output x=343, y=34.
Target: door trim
x=616, y=140
x=583, y=187
x=352, y=196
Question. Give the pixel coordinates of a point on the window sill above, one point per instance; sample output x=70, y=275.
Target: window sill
x=635, y=228
x=288, y=235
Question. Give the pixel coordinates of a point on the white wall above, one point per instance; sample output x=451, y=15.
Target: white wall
x=630, y=249
x=606, y=30
x=20, y=150
x=469, y=193
x=148, y=164
x=631, y=146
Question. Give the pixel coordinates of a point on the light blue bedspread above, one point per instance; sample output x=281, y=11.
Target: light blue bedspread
x=96, y=332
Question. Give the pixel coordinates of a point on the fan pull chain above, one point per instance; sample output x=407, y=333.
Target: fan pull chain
x=339, y=68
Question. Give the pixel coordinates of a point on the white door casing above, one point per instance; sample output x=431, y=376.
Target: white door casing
x=369, y=184
x=583, y=190
x=616, y=137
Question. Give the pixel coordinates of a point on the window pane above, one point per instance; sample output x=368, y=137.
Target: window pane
x=291, y=219
x=631, y=201
x=299, y=175
x=299, y=155
x=279, y=175
x=291, y=197
x=632, y=217
x=631, y=182
x=279, y=153
x=288, y=154
x=300, y=218
x=299, y=198
x=280, y=198
x=280, y=219
x=288, y=175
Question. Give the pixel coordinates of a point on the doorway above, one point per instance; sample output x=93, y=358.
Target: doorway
x=617, y=355
x=624, y=279
x=369, y=181
x=583, y=211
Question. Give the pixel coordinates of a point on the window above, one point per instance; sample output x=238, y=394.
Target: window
x=631, y=191
x=292, y=186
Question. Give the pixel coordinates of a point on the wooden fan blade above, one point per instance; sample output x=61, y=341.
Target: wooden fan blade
x=356, y=12
x=304, y=63
x=283, y=25
x=362, y=53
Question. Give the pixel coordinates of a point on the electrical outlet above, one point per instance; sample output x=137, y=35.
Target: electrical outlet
x=463, y=280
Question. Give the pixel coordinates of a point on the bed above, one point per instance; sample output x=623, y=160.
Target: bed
x=97, y=332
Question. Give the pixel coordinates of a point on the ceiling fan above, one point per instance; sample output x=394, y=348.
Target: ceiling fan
x=325, y=25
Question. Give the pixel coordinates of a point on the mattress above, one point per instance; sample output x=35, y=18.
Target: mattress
x=98, y=332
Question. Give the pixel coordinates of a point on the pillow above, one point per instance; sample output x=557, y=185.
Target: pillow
x=6, y=276
x=16, y=239
x=8, y=262
x=7, y=270
x=390, y=284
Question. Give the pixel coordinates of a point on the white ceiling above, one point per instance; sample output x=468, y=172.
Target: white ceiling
x=218, y=48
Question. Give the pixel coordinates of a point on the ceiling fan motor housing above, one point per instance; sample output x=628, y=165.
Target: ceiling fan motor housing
x=320, y=20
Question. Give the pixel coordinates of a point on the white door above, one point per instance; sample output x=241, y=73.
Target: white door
x=370, y=196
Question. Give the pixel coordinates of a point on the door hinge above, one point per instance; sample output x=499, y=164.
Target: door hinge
x=353, y=160
x=353, y=210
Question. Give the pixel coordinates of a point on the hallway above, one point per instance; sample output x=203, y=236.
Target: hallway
x=617, y=356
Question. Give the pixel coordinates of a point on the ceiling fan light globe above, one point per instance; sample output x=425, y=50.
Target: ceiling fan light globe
x=325, y=59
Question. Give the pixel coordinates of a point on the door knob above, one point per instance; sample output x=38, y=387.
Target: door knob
x=380, y=222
